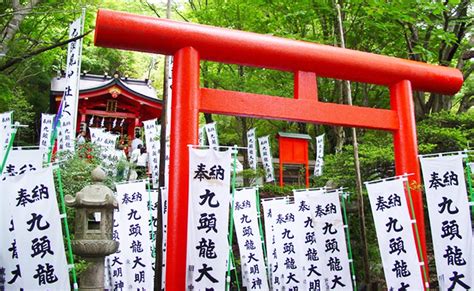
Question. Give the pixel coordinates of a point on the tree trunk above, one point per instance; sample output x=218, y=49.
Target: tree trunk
x=19, y=14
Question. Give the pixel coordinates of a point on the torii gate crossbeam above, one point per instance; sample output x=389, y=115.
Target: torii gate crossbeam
x=191, y=43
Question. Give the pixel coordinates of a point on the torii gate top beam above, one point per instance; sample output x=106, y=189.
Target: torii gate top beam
x=163, y=36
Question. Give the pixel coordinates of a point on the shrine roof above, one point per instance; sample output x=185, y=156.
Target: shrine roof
x=294, y=135
x=90, y=83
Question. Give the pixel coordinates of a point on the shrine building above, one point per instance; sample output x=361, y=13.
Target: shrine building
x=118, y=104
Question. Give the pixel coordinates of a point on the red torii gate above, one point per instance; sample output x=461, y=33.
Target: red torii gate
x=190, y=43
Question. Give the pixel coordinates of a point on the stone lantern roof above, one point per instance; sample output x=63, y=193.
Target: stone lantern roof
x=95, y=195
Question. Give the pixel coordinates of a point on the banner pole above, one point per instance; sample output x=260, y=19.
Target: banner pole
x=150, y=206
x=66, y=229
x=418, y=241
x=348, y=237
x=231, y=227
x=260, y=225
x=10, y=145
x=469, y=184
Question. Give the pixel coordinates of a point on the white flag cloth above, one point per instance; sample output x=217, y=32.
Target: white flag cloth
x=37, y=231
x=288, y=270
x=66, y=131
x=46, y=131
x=96, y=135
x=6, y=122
x=450, y=220
x=249, y=239
x=21, y=161
x=325, y=250
x=212, y=138
x=314, y=260
x=318, y=167
x=208, y=215
x=252, y=148
x=168, y=120
x=152, y=134
x=202, y=136
x=131, y=266
x=267, y=159
x=394, y=229
x=164, y=211
x=270, y=242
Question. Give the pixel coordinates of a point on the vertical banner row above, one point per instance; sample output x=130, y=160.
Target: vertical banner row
x=450, y=220
x=208, y=215
x=395, y=234
x=249, y=239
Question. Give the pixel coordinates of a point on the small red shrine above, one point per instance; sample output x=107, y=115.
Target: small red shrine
x=120, y=103
x=294, y=150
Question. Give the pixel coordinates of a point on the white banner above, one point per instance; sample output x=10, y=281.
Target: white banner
x=208, y=216
x=395, y=235
x=168, y=120
x=131, y=266
x=164, y=211
x=46, y=131
x=267, y=160
x=270, y=242
x=37, y=229
x=21, y=161
x=152, y=135
x=252, y=148
x=249, y=239
x=450, y=220
x=289, y=246
x=212, y=138
x=6, y=122
x=96, y=135
x=314, y=260
x=331, y=240
x=66, y=131
x=318, y=166
x=202, y=136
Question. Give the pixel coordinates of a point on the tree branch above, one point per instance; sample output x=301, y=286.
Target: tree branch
x=16, y=60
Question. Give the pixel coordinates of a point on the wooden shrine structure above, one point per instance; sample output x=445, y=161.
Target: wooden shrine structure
x=122, y=103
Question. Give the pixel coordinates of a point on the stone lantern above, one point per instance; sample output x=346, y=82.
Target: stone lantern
x=95, y=206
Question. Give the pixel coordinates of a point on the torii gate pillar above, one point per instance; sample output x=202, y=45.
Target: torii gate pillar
x=189, y=43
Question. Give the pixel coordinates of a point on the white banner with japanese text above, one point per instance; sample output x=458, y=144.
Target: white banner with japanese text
x=318, y=166
x=131, y=266
x=164, y=213
x=267, y=159
x=6, y=122
x=252, y=148
x=96, y=135
x=21, y=161
x=315, y=260
x=270, y=242
x=202, y=136
x=212, y=137
x=152, y=135
x=46, y=131
x=395, y=234
x=208, y=216
x=450, y=220
x=169, y=96
x=249, y=239
x=288, y=269
x=68, y=107
x=38, y=240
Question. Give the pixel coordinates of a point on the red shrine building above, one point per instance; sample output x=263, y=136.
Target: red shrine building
x=116, y=103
